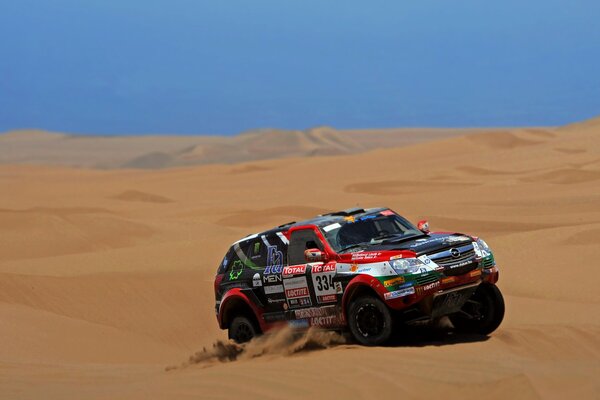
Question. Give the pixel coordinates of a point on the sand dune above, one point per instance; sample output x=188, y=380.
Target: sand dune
x=151, y=152
x=43, y=232
x=566, y=176
x=502, y=140
x=106, y=275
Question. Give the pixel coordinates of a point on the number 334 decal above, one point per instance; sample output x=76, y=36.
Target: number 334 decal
x=324, y=282
x=322, y=277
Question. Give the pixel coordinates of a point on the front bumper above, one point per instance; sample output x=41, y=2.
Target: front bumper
x=448, y=301
x=434, y=305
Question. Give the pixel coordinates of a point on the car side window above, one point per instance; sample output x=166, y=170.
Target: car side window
x=299, y=241
x=238, y=261
x=257, y=253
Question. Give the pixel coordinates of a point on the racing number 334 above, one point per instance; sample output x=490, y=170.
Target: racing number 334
x=324, y=282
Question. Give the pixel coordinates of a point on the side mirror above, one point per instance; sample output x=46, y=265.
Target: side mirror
x=423, y=226
x=315, y=255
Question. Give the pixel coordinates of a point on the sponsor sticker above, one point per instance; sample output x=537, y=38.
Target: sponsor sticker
x=424, y=259
x=298, y=323
x=272, y=278
x=300, y=302
x=294, y=270
x=421, y=242
x=393, y=282
x=314, y=312
x=387, y=212
x=478, y=250
x=399, y=293
x=475, y=273
x=273, y=289
x=236, y=270
x=370, y=255
x=296, y=292
x=431, y=286
x=453, y=239
x=320, y=316
x=274, y=261
x=332, y=227
x=448, y=280
x=461, y=264
x=328, y=320
x=366, y=217
x=256, y=281
x=330, y=267
x=328, y=298
x=322, y=279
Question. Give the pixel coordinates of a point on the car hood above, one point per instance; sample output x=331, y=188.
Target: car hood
x=426, y=244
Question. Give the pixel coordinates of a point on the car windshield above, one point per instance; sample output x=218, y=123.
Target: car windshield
x=354, y=234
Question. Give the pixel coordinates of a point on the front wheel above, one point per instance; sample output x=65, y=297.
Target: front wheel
x=482, y=313
x=370, y=321
x=242, y=330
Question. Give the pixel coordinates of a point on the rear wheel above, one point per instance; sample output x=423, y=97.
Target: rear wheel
x=242, y=330
x=370, y=321
x=482, y=313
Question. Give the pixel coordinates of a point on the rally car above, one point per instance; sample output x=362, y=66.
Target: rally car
x=366, y=271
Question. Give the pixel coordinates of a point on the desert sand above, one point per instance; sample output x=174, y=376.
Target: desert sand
x=106, y=274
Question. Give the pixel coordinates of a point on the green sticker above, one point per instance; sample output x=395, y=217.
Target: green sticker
x=236, y=270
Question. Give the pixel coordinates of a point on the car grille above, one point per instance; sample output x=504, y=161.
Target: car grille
x=449, y=260
x=451, y=264
x=423, y=280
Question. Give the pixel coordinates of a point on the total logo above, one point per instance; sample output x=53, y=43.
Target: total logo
x=294, y=270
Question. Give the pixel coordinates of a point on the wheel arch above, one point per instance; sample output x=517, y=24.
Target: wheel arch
x=234, y=303
x=361, y=285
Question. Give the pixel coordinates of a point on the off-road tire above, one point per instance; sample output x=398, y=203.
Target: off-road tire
x=242, y=329
x=482, y=313
x=370, y=321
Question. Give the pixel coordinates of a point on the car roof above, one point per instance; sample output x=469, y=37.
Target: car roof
x=320, y=221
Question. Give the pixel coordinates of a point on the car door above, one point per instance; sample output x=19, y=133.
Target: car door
x=302, y=288
x=272, y=250
x=319, y=306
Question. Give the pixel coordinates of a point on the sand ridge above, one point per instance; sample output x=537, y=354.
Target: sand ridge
x=37, y=147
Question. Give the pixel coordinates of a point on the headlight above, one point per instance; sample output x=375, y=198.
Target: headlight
x=407, y=265
x=481, y=248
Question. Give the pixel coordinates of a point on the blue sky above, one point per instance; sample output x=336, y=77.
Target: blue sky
x=221, y=67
